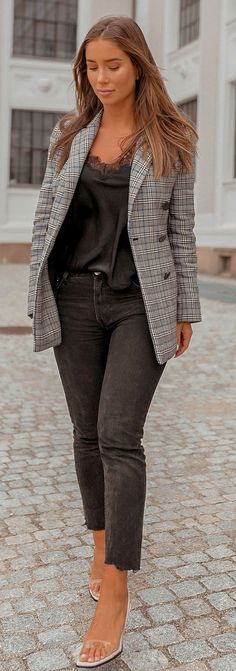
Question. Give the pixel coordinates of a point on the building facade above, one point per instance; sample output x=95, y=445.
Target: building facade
x=194, y=45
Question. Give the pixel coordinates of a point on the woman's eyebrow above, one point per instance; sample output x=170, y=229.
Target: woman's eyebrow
x=90, y=60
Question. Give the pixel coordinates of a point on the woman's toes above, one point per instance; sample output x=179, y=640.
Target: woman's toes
x=91, y=657
x=97, y=653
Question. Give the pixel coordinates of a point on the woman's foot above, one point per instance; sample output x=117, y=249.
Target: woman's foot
x=109, y=617
x=97, y=564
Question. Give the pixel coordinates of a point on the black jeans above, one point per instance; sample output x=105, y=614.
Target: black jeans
x=109, y=373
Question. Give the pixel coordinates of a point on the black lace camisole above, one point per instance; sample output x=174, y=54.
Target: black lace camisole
x=94, y=233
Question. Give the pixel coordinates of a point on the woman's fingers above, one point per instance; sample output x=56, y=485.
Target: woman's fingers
x=183, y=337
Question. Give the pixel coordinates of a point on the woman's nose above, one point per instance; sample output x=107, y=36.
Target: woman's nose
x=102, y=77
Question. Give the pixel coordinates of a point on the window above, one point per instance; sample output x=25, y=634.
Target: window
x=45, y=28
x=30, y=135
x=189, y=21
x=189, y=107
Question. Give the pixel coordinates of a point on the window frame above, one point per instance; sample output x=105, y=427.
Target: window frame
x=185, y=28
x=19, y=150
x=38, y=43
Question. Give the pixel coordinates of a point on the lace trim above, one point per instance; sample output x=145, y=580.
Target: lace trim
x=98, y=164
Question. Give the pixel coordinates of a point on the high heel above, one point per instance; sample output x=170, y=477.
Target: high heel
x=107, y=658
x=92, y=583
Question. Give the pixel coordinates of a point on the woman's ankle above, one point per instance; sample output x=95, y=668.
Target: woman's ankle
x=99, y=539
x=114, y=575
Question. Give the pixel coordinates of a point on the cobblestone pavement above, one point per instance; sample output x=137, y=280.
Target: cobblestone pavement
x=184, y=597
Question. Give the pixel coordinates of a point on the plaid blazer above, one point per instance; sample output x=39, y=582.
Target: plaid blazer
x=160, y=224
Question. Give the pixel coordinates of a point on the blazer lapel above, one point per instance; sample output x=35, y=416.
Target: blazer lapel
x=139, y=169
x=79, y=149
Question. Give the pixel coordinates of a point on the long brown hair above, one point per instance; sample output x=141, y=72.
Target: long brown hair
x=161, y=127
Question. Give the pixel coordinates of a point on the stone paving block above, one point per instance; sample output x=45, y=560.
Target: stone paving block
x=48, y=660
x=225, y=663
x=47, y=572
x=153, y=660
x=135, y=641
x=189, y=651
x=200, y=627
x=19, y=577
x=6, y=609
x=75, y=566
x=232, y=574
x=187, y=588
x=46, y=586
x=16, y=665
x=12, y=593
x=194, y=666
x=49, y=617
x=59, y=636
x=19, y=623
x=22, y=643
x=136, y=619
x=165, y=613
x=62, y=598
x=155, y=595
x=195, y=606
x=194, y=557
x=224, y=642
x=218, y=582
x=219, y=566
x=29, y=604
x=51, y=557
x=159, y=577
x=7, y=553
x=163, y=635
x=80, y=551
x=169, y=561
x=230, y=617
x=19, y=539
x=220, y=551
x=221, y=600
x=191, y=570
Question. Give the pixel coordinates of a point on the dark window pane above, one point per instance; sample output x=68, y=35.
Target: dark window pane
x=189, y=107
x=189, y=21
x=30, y=135
x=36, y=24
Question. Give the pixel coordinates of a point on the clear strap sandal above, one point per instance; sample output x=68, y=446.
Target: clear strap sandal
x=85, y=664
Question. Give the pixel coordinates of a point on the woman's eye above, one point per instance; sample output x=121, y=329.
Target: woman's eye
x=114, y=68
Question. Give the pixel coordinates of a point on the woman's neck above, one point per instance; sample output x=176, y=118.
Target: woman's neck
x=118, y=120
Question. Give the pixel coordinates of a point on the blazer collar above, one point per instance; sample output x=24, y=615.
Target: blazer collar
x=79, y=150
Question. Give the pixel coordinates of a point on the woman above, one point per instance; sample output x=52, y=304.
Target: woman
x=113, y=289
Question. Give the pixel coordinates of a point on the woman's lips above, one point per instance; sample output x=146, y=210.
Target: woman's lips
x=104, y=92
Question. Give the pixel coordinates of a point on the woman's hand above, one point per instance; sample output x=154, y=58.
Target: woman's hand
x=183, y=336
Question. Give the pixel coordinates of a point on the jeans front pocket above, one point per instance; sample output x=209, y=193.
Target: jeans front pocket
x=61, y=281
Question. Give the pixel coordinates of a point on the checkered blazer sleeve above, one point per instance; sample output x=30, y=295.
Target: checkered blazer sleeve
x=41, y=218
x=182, y=239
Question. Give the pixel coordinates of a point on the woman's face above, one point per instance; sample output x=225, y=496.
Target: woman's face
x=110, y=72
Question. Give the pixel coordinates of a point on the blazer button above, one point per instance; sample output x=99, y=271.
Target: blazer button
x=162, y=237
x=166, y=275
x=165, y=205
